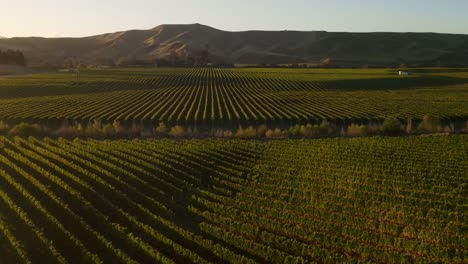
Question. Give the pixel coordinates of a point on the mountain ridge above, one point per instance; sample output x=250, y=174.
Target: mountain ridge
x=197, y=43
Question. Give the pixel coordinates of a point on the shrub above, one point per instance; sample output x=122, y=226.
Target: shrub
x=294, y=131
x=108, y=131
x=94, y=130
x=430, y=123
x=136, y=131
x=308, y=131
x=261, y=130
x=146, y=134
x=363, y=129
x=119, y=130
x=239, y=133
x=27, y=130
x=324, y=128
x=421, y=128
x=219, y=133
x=4, y=128
x=67, y=131
x=188, y=132
x=409, y=126
x=249, y=132
x=391, y=127
x=357, y=130
x=161, y=130
x=373, y=129
x=278, y=133
x=228, y=133
x=177, y=131
x=196, y=132
x=353, y=130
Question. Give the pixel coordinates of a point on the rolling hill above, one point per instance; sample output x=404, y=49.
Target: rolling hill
x=186, y=42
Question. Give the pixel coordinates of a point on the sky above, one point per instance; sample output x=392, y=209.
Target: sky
x=54, y=18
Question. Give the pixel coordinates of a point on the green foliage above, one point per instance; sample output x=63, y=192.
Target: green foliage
x=119, y=130
x=161, y=130
x=67, y=131
x=347, y=200
x=249, y=132
x=26, y=130
x=363, y=130
x=430, y=124
x=177, y=131
x=13, y=57
x=4, y=128
x=309, y=131
x=357, y=130
x=391, y=127
x=212, y=97
x=324, y=128
x=228, y=134
x=294, y=131
x=261, y=130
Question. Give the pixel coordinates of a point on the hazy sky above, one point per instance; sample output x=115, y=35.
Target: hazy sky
x=54, y=18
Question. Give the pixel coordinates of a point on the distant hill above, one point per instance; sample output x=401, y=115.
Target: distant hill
x=194, y=42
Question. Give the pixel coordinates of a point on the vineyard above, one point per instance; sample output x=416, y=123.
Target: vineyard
x=213, y=97
x=361, y=200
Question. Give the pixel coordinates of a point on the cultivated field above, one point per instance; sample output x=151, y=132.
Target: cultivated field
x=384, y=200
x=353, y=200
x=231, y=97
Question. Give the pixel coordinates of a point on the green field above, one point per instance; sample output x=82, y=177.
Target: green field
x=213, y=97
x=330, y=200
x=374, y=200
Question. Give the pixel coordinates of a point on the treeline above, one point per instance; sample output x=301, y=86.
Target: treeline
x=116, y=130
x=12, y=57
x=202, y=58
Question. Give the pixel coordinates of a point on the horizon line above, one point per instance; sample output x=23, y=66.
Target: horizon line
x=231, y=31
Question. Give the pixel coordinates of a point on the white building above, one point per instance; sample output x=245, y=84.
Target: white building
x=403, y=73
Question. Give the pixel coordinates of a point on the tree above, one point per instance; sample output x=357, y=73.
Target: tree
x=324, y=128
x=261, y=130
x=391, y=127
x=19, y=58
x=4, y=128
x=309, y=131
x=118, y=128
x=26, y=130
x=177, y=131
x=161, y=130
x=430, y=123
x=12, y=57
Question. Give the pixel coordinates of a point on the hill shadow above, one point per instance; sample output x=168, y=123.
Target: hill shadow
x=18, y=91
